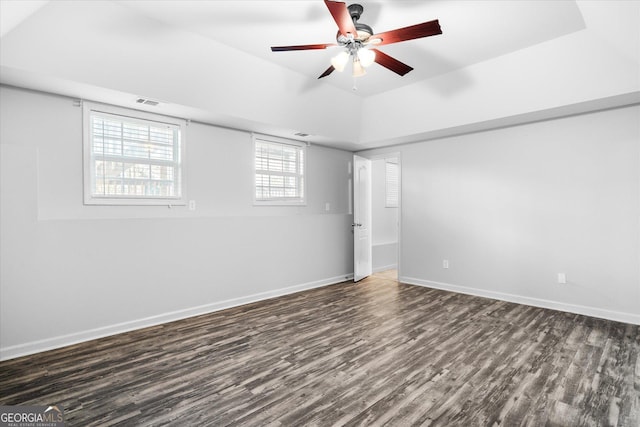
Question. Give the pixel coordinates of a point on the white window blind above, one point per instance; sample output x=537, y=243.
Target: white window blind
x=132, y=160
x=279, y=172
x=391, y=184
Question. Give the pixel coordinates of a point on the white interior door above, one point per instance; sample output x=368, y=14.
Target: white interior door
x=361, y=218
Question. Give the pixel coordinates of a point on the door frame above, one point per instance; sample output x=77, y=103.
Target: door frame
x=397, y=155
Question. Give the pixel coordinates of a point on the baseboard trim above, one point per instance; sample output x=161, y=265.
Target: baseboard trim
x=33, y=347
x=617, y=316
x=385, y=268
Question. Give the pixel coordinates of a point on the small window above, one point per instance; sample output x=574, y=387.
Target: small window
x=391, y=183
x=279, y=171
x=132, y=158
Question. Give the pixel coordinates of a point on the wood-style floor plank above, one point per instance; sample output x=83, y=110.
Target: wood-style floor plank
x=368, y=354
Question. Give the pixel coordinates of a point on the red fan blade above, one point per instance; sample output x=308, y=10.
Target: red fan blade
x=342, y=17
x=417, y=31
x=301, y=47
x=327, y=72
x=391, y=63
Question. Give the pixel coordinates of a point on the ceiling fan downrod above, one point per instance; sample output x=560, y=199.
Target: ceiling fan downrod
x=364, y=31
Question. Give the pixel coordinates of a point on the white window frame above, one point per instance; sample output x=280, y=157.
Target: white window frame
x=387, y=183
x=89, y=166
x=297, y=201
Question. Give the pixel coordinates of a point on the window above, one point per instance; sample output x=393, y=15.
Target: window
x=132, y=158
x=279, y=171
x=391, y=183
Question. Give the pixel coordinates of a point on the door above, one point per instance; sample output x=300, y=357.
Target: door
x=361, y=218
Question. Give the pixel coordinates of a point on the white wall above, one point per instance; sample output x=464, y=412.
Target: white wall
x=512, y=208
x=70, y=272
x=384, y=232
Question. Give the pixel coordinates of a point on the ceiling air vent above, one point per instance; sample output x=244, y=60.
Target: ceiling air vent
x=147, y=102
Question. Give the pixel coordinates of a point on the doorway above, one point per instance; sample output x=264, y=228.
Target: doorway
x=385, y=212
x=377, y=215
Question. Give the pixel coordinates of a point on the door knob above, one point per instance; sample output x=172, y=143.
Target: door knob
x=356, y=225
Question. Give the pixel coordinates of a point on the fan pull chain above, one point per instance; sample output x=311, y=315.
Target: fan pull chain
x=355, y=87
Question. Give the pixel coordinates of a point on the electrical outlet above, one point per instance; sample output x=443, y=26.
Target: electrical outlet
x=445, y=263
x=562, y=278
x=192, y=205
x=327, y=206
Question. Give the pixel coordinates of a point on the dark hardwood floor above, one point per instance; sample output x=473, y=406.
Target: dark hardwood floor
x=372, y=353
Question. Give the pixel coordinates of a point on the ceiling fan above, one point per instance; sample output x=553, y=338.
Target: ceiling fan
x=359, y=40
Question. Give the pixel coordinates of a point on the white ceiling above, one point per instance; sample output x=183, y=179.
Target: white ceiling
x=496, y=28
x=210, y=61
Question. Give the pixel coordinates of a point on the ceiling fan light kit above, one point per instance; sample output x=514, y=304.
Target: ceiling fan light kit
x=340, y=61
x=366, y=56
x=359, y=40
x=358, y=68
